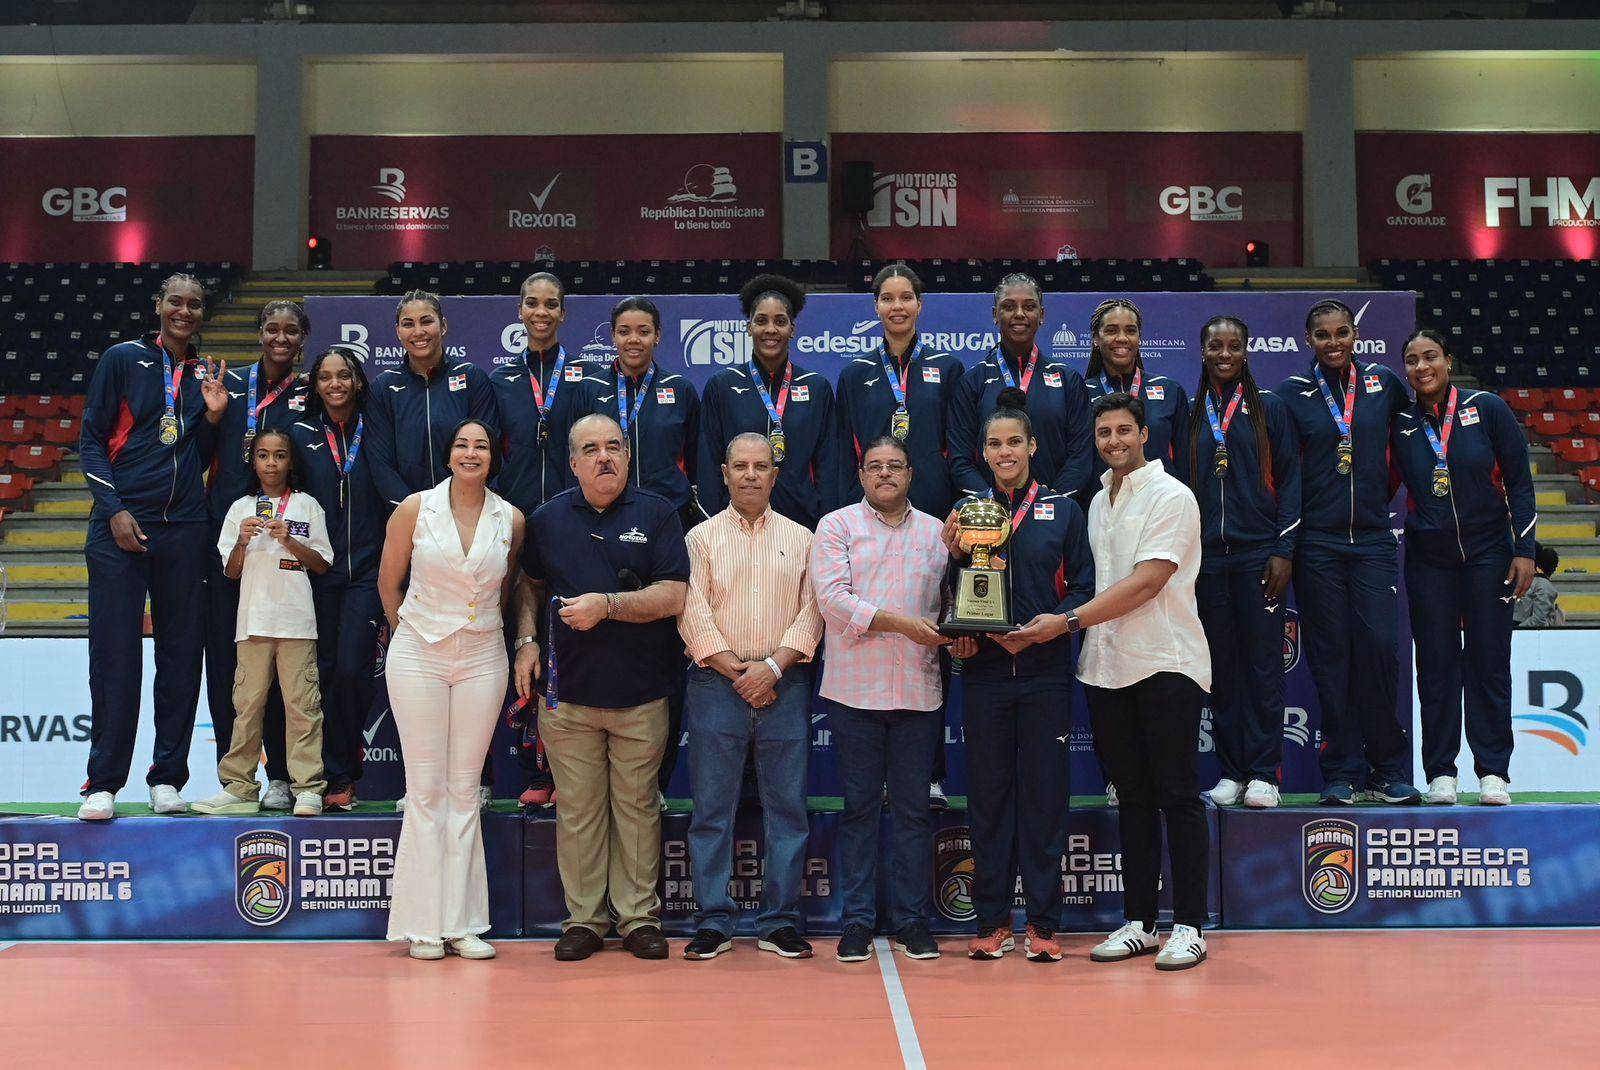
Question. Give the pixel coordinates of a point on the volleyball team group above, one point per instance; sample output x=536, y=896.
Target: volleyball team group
x=637, y=559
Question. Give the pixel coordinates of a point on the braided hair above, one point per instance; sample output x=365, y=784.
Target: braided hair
x=1098, y=317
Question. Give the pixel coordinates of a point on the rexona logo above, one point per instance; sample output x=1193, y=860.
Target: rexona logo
x=1560, y=200
x=539, y=218
x=707, y=200
x=1558, y=722
x=1414, y=195
x=391, y=186
x=921, y=199
x=1203, y=204
x=708, y=342
x=87, y=205
x=262, y=893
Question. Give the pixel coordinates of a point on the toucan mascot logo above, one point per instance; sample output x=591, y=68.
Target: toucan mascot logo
x=262, y=892
x=1329, y=877
x=952, y=873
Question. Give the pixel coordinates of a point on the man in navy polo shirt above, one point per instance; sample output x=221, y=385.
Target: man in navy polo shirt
x=607, y=573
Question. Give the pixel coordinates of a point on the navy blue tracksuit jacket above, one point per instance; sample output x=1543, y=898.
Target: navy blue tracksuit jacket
x=1458, y=551
x=810, y=478
x=931, y=381
x=532, y=472
x=409, y=420
x=663, y=437
x=1166, y=416
x=1058, y=409
x=1346, y=573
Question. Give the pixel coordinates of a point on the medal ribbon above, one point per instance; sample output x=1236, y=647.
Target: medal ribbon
x=541, y=401
x=1138, y=381
x=1219, y=428
x=896, y=383
x=345, y=464
x=172, y=379
x=550, y=697
x=1347, y=419
x=1440, y=440
x=254, y=409
x=278, y=510
x=625, y=417
x=1022, y=510
x=774, y=411
x=1027, y=373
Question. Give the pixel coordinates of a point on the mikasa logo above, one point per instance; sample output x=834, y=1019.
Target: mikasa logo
x=1560, y=199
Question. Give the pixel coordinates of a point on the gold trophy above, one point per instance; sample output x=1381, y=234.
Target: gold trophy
x=982, y=526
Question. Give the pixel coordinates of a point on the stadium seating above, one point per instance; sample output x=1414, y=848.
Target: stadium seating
x=15, y=490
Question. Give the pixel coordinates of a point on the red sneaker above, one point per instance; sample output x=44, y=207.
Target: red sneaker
x=1040, y=946
x=542, y=797
x=990, y=944
x=343, y=798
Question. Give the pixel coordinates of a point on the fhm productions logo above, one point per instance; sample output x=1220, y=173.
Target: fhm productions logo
x=391, y=184
x=262, y=892
x=1558, y=722
x=719, y=342
x=922, y=199
x=1203, y=204
x=1564, y=202
x=1330, y=879
x=86, y=204
x=952, y=873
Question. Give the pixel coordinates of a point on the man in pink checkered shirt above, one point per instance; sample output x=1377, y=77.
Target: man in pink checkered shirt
x=878, y=567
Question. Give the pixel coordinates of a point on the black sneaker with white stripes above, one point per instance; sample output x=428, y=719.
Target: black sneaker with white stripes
x=707, y=944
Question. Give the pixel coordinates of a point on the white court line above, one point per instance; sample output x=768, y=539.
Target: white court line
x=905, y=1029
x=5, y=946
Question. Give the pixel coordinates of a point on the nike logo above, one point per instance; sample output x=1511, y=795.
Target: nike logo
x=397, y=387
x=539, y=198
x=1409, y=431
x=370, y=733
x=740, y=389
x=147, y=364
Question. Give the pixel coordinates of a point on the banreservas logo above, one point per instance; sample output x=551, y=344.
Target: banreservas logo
x=262, y=892
x=1558, y=722
x=391, y=186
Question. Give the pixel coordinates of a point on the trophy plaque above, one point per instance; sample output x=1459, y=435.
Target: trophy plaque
x=981, y=603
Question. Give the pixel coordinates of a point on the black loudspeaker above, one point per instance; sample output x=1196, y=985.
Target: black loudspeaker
x=855, y=187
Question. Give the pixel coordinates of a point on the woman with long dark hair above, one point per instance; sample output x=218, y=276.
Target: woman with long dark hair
x=1239, y=456
x=1117, y=366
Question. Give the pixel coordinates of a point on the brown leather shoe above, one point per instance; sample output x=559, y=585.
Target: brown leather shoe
x=578, y=943
x=646, y=942
x=341, y=798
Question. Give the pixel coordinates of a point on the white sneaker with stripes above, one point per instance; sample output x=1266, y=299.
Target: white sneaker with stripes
x=1130, y=940
x=1184, y=949
x=1493, y=791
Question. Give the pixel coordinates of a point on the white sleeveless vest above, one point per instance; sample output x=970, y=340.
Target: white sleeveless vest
x=450, y=591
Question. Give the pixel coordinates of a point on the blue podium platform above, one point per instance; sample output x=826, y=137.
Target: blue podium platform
x=274, y=877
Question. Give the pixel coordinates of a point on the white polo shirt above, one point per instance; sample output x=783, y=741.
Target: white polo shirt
x=274, y=589
x=1155, y=518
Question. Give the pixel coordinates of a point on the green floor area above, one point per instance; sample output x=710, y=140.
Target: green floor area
x=822, y=803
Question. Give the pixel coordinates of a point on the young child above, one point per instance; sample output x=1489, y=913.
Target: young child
x=269, y=541
x=1539, y=607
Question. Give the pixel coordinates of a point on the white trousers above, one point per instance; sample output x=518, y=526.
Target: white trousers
x=446, y=698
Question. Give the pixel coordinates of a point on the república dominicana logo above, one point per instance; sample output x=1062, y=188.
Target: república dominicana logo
x=262, y=892
x=952, y=873
x=1329, y=877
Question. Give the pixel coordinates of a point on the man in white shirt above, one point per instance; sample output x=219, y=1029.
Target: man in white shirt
x=1144, y=665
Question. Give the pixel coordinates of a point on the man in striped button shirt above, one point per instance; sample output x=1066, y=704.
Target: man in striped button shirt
x=750, y=625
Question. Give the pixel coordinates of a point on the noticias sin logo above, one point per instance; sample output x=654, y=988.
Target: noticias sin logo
x=913, y=199
x=391, y=184
x=708, y=342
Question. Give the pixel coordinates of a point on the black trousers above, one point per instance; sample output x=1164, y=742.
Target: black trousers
x=1146, y=735
x=1018, y=792
x=347, y=652
x=1246, y=640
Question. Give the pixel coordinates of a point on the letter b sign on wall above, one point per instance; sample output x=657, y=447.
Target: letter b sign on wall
x=805, y=161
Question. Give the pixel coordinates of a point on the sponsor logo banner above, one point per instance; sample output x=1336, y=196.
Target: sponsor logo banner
x=1031, y=195
x=1478, y=195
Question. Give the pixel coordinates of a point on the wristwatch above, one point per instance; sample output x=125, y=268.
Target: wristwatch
x=1074, y=625
x=524, y=640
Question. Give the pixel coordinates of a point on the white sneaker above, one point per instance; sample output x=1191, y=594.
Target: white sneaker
x=1111, y=796
x=1441, y=789
x=400, y=805
x=469, y=947
x=661, y=802
x=1261, y=795
x=426, y=949
x=98, y=806
x=1227, y=792
x=1130, y=940
x=224, y=803
x=485, y=798
x=1184, y=948
x=937, y=799
x=278, y=796
x=1493, y=791
x=307, y=804
x=164, y=799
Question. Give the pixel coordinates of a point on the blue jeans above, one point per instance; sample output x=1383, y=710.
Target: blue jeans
x=894, y=748
x=721, y=727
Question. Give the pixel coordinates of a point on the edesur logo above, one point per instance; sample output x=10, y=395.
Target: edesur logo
x=88, y=205
x=1204, y=204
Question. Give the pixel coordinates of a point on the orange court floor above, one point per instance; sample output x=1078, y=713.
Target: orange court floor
x=1528, y=999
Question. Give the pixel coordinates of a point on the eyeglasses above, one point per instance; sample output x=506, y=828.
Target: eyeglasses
x=878, y=468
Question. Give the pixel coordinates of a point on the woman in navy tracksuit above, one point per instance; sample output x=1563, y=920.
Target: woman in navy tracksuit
x=1469, y=556
x=1240, y=456
x=1058, y=403
x=1116, y=366
x=1346, y=575
x=265, y=396
x=903, y=389
x=1018, y=699
x=772, y=396
x=334, y=467
x=412, y=410
x=149, y=431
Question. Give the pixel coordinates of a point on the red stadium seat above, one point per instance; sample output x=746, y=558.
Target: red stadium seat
x=14, y=490
x=1570, y=399
x=72, y=406
x=5, y=455
x=40, y=462
x=1587, y=424
x=1590, y=478
x=1551, y=424
x=19, y=432
x=42, y=406
x=1580, y=451
x=10, y=406
x=62, y=431
x=1524, y=400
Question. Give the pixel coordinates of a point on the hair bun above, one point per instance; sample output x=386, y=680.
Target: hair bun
x=1012, y=398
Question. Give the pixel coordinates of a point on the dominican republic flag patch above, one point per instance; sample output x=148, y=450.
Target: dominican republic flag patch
x=800, y=393
x=930, y=375
x=458, y=382
x=1044, y=510
x=298, y=403
x=1155, y=392
x=1469, y=416
x=1052, y=378
x=1373, y=383
x=573, y=373
x=665, y=396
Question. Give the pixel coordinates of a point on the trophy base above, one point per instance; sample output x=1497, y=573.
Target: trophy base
x=981, y=606
x=955, y=629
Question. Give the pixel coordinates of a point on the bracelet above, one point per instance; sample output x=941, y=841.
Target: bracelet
x=611, y=606
x=524, y=640
x=773, y=665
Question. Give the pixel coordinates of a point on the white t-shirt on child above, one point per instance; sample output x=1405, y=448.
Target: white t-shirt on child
x=274, y=590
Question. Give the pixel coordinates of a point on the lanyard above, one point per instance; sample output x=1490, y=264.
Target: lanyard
x=1027, y=374
x=542, y=401
x=774, y=411
x=1021, y=514
x=345, y=464
x=1347, y=419
x=898, y=384
x=1440, y=441
x=254, y=409
x=1219, y=428
x=172, y=379
x=1138, y=381
x=624, y=417
x=550, y=697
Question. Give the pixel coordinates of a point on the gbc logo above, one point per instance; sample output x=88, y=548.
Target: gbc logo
x=1204, y=204
x=88, y=205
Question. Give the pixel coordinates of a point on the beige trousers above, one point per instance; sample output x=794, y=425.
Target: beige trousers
x=294, y=664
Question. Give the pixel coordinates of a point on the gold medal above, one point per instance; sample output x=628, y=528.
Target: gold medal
x=780, y=446
x=1347, y=457
x=1441, y=482
x=1220, y=463
x=900, y=424
x=169, y=430
x=249, y=444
